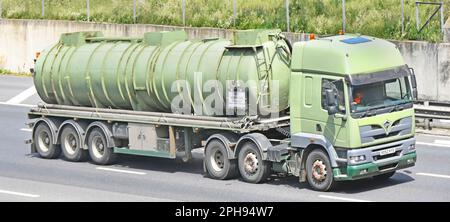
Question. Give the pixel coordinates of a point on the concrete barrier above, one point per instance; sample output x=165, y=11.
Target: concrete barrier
x=21, y=39
x=431, y=62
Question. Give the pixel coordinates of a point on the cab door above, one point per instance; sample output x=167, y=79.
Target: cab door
x=312, y=115
x=334, y=127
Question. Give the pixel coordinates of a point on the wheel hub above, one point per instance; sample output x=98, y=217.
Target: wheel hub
x=98, y=147
x=250, y=163
x=218, y=160
x=319, y=170
x=72, y=142
x=44, y=141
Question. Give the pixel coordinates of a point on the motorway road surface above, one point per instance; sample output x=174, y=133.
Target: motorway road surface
x=25, y=177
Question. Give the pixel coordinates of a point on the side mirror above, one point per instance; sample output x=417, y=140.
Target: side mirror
x=413, y=84
x=331, y=98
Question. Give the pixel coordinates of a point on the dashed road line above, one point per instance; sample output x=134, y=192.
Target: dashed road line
x=21, y=105
x=26, y=130
x=22, y=96
x=434, y=175
x=19, y=194
x=445, y=142
x=121, y=171
x=343, y=198
x=433, y=136
x=433, y=144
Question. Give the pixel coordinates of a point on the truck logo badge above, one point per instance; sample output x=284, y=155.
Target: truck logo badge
x=386, y=125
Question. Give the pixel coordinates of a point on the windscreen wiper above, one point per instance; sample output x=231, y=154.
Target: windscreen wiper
x=368, y=111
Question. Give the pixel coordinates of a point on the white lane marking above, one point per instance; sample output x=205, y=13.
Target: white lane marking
x=22, y=96
x=26, y=130
x=343, y=198
x=21, y=105
x=433, y=144
x=446, y=142
x=433, y=136
x=19, y=194
x=433, y=175
x=121, y=171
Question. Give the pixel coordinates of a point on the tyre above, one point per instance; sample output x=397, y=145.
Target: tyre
x=385, y=176
x=98, y=151
x=71, y=145
x=252, y=167
x=43, y=141
x=216, y=161
x=318, y=171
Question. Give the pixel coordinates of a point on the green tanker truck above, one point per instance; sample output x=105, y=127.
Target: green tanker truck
x=330, y=109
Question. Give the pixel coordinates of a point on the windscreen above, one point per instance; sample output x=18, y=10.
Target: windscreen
x=382, y=94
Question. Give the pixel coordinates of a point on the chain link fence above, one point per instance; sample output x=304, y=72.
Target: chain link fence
x=293, y=11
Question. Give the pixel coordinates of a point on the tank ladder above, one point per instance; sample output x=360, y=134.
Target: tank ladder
x=264, y=73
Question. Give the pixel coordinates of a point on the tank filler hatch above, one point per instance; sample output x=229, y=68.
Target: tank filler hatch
x=78, y=38
x=254, y=36
x=164, y=38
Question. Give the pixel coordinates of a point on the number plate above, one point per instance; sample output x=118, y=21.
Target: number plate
x=387, y=151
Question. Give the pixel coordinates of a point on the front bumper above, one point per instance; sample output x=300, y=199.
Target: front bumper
x=402, y=158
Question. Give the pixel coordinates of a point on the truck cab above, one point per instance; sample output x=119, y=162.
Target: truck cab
x=351, y=110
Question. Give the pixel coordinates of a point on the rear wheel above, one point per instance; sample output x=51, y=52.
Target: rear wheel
x=318, y=171
x=71, y=145
x=216, y=161
x=385, y=176
x=252, y=167
x=98, y=150
x=43, y=141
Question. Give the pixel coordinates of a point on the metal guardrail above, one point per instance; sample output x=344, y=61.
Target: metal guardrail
x=432, y=112
x=426, y=113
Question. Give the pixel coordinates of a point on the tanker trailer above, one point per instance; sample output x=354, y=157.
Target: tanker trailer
x=86, y=69
x=330, y=109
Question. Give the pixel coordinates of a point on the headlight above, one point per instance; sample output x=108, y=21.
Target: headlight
x=412, y=147
x=357, y=159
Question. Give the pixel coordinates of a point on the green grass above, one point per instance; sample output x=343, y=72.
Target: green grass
x=381, y=18
x=7, y=72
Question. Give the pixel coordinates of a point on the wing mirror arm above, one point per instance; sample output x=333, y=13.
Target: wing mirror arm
x=413, y=84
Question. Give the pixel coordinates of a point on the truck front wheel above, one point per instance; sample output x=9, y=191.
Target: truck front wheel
x=43, y=141
x=318, y=171
x=252, y=167
x=216, y=161
x=98, y=150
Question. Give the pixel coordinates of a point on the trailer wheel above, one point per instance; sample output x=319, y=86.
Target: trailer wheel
x=384, y=176
x=98, y=150
x=71, y=145
x=217, y=164
x=43, y=141
x=318, y=171
x=252, y=167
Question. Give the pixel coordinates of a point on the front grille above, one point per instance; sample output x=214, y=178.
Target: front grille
x=384, y=135
x=371, y=133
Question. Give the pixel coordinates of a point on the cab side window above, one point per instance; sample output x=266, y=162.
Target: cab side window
x=339, y=84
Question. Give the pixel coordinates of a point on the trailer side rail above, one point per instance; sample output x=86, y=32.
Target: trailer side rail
x=241, y=125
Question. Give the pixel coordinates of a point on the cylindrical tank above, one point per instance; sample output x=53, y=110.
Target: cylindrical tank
x=164, y=70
